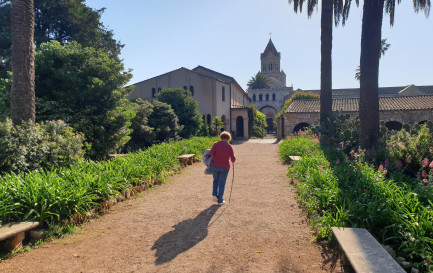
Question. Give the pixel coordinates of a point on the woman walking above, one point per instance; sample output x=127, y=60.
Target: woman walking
x=221, y=151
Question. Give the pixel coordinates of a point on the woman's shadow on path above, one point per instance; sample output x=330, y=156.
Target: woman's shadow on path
x=186, y=235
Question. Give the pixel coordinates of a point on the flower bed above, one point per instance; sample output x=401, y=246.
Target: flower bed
x=58, y=195
x=344, y=191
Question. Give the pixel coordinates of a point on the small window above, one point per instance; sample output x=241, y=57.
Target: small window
x=260, y=97
x=185, y=87
x=208, y=118
x=159, y=89
x=273, y=96
x=254, y=97
x=267, y=97
x=223, y=93
x=191, y=88
x=270, y=66
x=153, y=92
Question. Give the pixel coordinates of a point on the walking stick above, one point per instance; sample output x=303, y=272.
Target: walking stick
x=231, y=189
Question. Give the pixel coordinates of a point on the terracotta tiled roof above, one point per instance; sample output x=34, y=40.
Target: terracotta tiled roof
x=270, y=48
x=383, y=91
x=352, y=104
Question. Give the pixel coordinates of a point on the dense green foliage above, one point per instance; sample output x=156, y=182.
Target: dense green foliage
x=164, y=122
x=411, y=151
x=53, y=196
x=30, y=146
x=155, y=122
x=259, y=122
x=259, y=81
x=84, y=87
x=64, y=21
x=185, y=108
x=217, y=126
x=5, y=97
x=298, y=96
x=343, y=190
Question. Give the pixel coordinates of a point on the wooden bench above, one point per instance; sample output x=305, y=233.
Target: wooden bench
x=364, y=253
x=112, y=156
x=16, y=232
x=186, y=159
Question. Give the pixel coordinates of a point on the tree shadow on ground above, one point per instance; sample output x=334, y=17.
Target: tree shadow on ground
x=185, y=235
x=331, y=254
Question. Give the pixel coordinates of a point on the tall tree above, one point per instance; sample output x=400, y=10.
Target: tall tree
x=84, y=87
x=185, y=108
x=371, y=37
x=64, y=21
x=23, y=62
x=258, y=82
x=330, y=8
x=384, y=46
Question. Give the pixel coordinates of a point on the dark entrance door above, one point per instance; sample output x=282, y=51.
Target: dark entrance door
x=270, y=127
x=239, y=127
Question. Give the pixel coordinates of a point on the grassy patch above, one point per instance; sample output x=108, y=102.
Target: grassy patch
x=344, y=191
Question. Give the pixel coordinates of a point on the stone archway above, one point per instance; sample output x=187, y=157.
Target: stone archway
x=300, y=126
x=240, y=127
x=393, y=125
x=270, y=113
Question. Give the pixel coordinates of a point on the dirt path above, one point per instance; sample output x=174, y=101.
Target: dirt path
x=177, y=228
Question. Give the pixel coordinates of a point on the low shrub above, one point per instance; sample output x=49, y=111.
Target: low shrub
x=409, y=151
x=32, y=146
x=55, y=196
x=345, y=191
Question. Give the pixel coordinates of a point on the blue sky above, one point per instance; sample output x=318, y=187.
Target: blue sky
x=229, y=35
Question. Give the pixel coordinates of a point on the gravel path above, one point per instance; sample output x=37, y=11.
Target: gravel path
x=177, y=228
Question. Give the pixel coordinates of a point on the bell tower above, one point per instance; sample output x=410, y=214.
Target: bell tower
x=270, y=65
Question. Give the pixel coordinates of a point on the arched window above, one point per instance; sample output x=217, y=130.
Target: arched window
x=270, y=66
x=208, y=119
x=185, y=87
x=254, y=97
x=273, y=96
x=191, y=88
x=223, y=94
x=267, y=97
x=260, y=97
x=153, y=92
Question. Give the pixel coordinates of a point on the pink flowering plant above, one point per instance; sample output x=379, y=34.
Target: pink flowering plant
x=343, y=189
x=411, y=152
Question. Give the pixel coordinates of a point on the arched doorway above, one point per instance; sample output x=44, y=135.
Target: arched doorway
x=270, y=113
x=240, y=126
x=393, y=125
x=301, y=126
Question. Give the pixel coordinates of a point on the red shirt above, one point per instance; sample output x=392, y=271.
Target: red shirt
x=221, y=152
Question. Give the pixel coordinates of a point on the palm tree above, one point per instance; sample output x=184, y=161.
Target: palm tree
x=371, y=37
x=258, y=82
x=340, y=11
x=23, y=69
x=384, y=46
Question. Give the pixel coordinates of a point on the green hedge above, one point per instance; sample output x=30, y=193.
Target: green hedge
x=56, y=195
x=342, y=191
